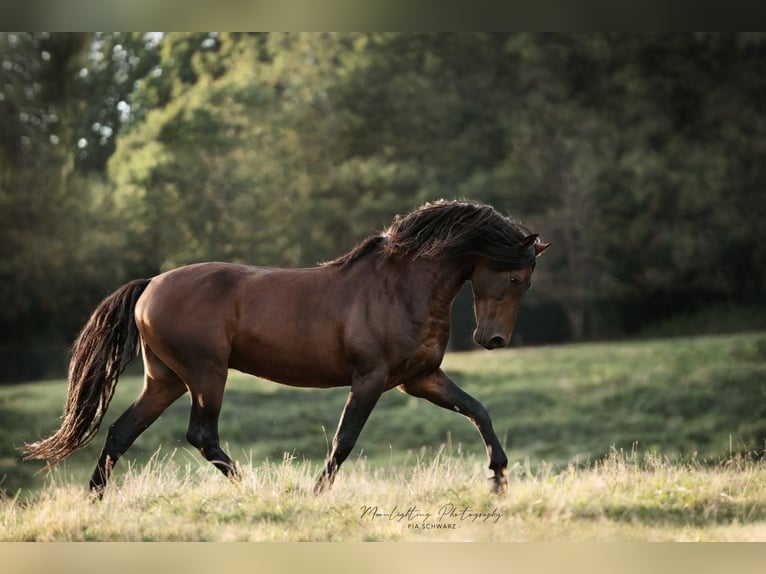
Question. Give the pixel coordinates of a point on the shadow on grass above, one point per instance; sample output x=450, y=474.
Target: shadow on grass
x=694, y=515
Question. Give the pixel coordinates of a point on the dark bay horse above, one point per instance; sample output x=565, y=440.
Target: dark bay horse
x=374, y=319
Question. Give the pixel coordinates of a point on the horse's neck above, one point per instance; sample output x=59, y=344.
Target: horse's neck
x=430, y=285
x=442, y=280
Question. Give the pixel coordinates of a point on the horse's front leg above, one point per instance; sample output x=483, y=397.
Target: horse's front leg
x=442, y=391
x=364, y=394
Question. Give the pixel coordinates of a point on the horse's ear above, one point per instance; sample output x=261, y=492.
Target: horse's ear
x=540, y=247
x=529, y=240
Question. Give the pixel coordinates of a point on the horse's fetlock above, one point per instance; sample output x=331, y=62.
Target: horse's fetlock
x=195, y=438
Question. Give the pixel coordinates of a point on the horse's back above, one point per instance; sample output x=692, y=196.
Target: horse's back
x=203, y=287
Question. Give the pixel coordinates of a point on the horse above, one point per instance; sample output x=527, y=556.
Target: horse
x=374, y=319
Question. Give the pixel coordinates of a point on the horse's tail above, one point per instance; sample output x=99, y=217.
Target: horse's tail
x=102, y=350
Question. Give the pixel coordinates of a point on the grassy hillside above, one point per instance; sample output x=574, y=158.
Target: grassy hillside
x=695, y=398
x=649, y=440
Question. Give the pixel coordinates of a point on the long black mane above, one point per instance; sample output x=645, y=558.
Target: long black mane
x=450, y=230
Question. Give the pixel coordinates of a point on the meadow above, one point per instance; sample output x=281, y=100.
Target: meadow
x=642, y=440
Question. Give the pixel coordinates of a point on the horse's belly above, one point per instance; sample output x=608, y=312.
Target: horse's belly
x=296, y=367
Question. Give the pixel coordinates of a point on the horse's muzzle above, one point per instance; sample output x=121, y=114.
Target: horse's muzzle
x=493, y=342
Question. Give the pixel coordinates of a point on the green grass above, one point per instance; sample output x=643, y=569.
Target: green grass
x=656, y=439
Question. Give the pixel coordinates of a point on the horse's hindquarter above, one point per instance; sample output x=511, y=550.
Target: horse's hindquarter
x=187, y=315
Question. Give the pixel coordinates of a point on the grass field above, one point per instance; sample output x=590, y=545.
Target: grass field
x=445, y=498
x=647, y=440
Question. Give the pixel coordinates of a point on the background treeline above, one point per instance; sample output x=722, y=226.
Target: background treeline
x=643, y=157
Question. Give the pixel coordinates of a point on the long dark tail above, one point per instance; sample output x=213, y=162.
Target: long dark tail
x=102, y=350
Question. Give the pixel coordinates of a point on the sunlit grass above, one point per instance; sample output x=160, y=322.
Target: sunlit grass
x=627, y=496
x=648, y=440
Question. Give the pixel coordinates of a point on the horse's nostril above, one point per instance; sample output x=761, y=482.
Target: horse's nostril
x=496, y=342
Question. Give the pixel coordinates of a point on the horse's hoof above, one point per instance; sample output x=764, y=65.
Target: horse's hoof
x=322, y=486
x=499, y=484
x=96, y=495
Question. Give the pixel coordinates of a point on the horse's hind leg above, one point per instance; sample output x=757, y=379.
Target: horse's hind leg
x=207, y=397
x=161, y=388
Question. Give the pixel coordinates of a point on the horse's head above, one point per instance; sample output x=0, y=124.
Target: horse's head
x=497, y=297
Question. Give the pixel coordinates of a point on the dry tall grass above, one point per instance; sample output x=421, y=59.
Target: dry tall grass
x=627, y=496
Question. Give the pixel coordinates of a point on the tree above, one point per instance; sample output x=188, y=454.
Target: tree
x=56, y=242
x=200, y=177
x=126, y=154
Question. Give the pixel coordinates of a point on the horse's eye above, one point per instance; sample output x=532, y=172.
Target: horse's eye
x=515, y=280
